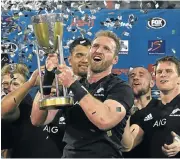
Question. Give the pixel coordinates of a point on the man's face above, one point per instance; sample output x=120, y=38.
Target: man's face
x=78, y=60
x=102, y=54
x=167, y=78
x=10, y=84
x=140, y=81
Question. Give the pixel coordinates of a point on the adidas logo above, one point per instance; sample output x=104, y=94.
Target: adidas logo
x=148, y=117
x=174, y=112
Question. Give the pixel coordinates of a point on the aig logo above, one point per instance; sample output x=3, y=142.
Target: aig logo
x=160, y=122
x=50, y=129
x=156, y=23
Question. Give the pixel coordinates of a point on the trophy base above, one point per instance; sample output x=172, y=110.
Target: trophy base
x=56, y=102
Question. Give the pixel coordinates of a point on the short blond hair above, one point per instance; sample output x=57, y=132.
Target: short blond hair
x=15, y=68
x=111, y=35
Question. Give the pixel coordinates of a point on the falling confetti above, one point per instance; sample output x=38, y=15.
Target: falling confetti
x=125, y=33
x=173, y=51
x=173, y=31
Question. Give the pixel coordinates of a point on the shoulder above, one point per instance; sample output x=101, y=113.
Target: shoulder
x=153, y=102
x=116, y=82
x=178, y=100
x=120, y=91
x=143, y=112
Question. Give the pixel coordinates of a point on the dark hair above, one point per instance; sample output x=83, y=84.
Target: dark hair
x=172, y=59
x=111, y=35
x=79, y=41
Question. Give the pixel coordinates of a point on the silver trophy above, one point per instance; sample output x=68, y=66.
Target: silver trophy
x=48, y=29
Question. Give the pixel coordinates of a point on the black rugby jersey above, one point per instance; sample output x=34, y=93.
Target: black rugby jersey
x=157, y=123
x=26, y=140
x=57, y=127
x=83, y=138
x=56, y=130
x=141, y=150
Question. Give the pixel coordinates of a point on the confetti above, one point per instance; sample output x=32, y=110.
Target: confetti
x=173, y=51
x=125, y=33
x=173, y=31
x=16, y=17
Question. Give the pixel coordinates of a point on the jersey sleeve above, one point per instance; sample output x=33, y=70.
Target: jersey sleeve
x=123, y=94
x=135, y=118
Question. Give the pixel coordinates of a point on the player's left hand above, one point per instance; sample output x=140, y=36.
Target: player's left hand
x=174, y=148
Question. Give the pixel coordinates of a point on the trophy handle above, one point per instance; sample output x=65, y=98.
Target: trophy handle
x=39, y=69
x=61, y=59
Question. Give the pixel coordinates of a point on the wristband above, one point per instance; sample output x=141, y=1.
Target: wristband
x=78, y=90
x=48, y=80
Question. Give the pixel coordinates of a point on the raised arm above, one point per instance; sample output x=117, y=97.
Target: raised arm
x=10, y=103
x=41, y=117
x=133, y=135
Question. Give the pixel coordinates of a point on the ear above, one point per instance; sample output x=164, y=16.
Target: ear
x=178, y=81
x=69, y=60
x=115, y=60
x=152, y=83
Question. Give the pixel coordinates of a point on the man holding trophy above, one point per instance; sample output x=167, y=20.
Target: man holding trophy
x=78, y=61
x=95, y=121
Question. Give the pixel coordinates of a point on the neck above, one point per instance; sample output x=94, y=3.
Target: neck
x=167, y=97
x=143, y=100
x=94, y=77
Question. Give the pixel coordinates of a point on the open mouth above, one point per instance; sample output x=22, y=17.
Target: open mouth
x=136, y=83
x=163, y=81
x=97, y=58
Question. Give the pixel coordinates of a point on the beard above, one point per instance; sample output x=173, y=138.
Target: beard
x=141, y=92
x=82, y=74
x=101, y=66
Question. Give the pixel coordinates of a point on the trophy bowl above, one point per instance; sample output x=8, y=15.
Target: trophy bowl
x=48, y=30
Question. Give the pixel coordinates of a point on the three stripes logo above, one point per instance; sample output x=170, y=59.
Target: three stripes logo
x=148, y=117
